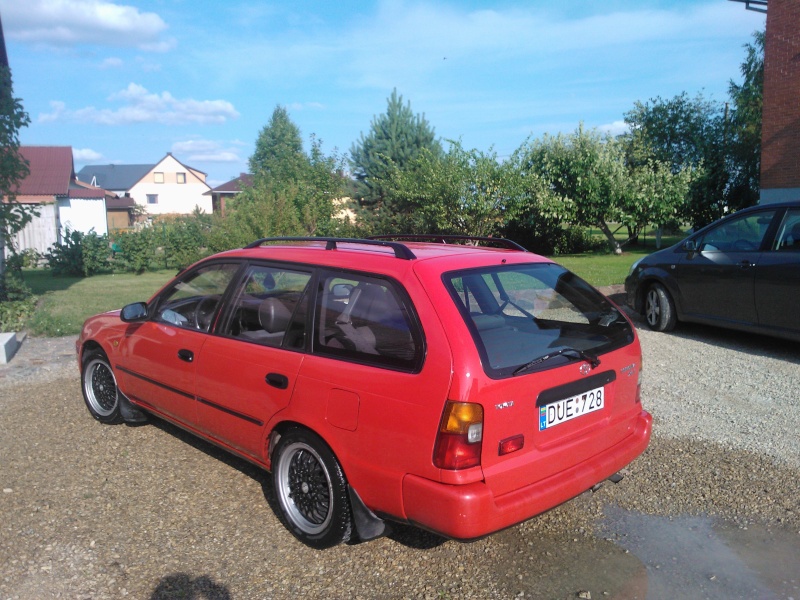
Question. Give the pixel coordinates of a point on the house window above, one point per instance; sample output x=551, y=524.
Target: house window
x=158, y=177
x=152, y=198
x=181, y=177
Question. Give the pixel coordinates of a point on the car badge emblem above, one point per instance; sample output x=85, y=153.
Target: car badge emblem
x=585, y=369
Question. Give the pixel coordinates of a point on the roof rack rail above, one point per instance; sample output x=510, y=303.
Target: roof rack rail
x=447, y=239
x=400, y=250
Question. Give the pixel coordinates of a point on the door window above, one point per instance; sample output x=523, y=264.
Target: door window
x=193, y=300
x=742, y=234
x=788, y=237
x=367, y=320
x=268, y=307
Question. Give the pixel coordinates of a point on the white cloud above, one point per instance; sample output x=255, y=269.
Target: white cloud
x=78, y=22
x=200, y=150
x=140, y=106
x=111, y=62
x=616, y=128
x=86, y=155
x=297, y=106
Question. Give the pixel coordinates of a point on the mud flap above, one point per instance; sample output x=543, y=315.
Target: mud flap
x=368, y=525
x=129, y=412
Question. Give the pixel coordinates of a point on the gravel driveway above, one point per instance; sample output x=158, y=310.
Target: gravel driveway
x=91, y=511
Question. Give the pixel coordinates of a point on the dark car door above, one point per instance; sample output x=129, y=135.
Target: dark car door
x=717, y=281
x=246, y=373
x=777, y=282
x=158, y=359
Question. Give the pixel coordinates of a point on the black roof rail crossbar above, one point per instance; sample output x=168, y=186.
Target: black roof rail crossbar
x=400, y=250
x=445, y=239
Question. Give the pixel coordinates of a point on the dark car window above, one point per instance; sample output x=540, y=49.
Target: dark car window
x=788, y=238
x=737, y=234
x=368, y=320
x=520, y=313
x=265, y=305
x=192, y=301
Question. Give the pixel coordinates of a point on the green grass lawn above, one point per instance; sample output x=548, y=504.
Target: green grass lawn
x=65, y=302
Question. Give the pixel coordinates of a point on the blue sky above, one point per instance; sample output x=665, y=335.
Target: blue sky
x=128, y=81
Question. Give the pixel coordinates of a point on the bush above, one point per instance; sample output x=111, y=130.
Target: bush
x=136, y=249
x=557, y=240
x=15, y=313
x=79, y=254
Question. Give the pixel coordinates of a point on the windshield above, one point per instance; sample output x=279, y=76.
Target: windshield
x=519, y=314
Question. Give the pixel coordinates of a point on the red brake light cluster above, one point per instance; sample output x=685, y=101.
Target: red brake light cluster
x=459, y=441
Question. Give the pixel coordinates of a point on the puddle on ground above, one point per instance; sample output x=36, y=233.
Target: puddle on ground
x=641, y=557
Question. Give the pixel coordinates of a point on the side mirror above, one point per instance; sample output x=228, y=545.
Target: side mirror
x=133, y=313
x=690, y=246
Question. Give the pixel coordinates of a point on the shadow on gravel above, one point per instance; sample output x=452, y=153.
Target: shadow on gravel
x=749, y=343
x=415, y=538
x=183, y=586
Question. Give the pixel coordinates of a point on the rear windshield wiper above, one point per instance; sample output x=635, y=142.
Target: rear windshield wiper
x=582, y=354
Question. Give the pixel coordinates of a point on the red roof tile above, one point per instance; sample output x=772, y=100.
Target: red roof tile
x=50, y=170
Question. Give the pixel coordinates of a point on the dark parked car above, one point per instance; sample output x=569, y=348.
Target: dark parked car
x=741, y=272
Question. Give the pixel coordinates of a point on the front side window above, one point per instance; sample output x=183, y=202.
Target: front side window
x=368, y=320
x=192, y=301
x=788, y=238
x=737, y=234
x=269, y=307
x=531, y=317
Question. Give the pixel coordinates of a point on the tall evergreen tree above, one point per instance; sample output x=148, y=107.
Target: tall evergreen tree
x=394, y=142
x=279, y=150
x=13, y=167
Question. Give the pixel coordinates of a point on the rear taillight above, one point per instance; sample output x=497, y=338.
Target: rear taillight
x=458, y=443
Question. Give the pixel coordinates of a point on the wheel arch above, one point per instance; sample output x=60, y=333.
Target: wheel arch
x=647, y=279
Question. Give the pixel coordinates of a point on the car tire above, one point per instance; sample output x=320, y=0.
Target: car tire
x=311, y=490
x=659, y=309
x=100, y=388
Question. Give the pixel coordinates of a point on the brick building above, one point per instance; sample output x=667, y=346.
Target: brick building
x=780, y=128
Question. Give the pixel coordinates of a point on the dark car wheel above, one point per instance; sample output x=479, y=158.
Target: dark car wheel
x=659, y=310
x=100, y=388
x=311, y=490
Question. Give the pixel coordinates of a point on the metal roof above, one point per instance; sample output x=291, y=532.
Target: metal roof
x=114, y=177
x=51, y=171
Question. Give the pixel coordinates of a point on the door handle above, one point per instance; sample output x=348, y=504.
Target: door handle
x=186, y=355
x=277, y=380
x=746, y=264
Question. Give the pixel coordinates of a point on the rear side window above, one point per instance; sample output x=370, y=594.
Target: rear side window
x=535, y=316
x=788, y=238
x=367, y=320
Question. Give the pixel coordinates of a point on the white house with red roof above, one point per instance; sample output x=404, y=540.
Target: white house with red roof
x=62, y=201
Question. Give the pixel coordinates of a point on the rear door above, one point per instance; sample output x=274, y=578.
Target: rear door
x=777, y=283
x=247, y=372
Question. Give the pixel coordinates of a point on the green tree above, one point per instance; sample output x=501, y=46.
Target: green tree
x=13, y=167
x=293, y=194
x=394, y=142
x=279, y=150
x=747, y=101
x=589, y=170
x=465, y=192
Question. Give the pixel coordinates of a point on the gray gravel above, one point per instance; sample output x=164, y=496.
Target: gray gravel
x=90, y=511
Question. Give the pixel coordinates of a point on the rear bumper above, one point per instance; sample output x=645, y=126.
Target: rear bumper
x=466, y=512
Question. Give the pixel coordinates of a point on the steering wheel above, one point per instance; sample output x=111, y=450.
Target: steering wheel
x=204, y=311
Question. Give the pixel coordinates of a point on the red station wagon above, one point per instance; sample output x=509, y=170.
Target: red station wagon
x=458, y=388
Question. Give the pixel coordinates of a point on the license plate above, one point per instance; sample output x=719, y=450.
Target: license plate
x=567, y=409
